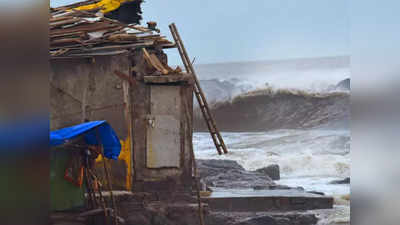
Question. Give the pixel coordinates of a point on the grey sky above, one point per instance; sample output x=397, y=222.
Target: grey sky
x=228, y=30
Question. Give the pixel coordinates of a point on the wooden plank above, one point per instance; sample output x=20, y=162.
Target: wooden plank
x=79, y=33
x=122, y=37
x=124, y=77
x=66, y=41
x=63, y=22
x=155, y=59
x=146, y=56
x=56, y=19
x=154, y=62
x=112, y=47
x=91, y=27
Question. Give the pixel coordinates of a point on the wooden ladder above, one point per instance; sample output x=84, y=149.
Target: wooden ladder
x=212, y=127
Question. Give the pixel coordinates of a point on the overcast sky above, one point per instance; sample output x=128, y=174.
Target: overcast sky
x=232, y=30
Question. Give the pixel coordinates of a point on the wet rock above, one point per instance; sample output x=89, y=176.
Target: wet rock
x=139, y=218
x=276, y=187
x=67, y=217
x=305, y=219
x=68, y=223
x=316, y=192
x=236, y=218
x=344, y=181
x=229, y=174
x=161, y=213
x=262, y=220
x=159, y=219
x=298, y=188
x=261, y=188
x=272, y=171
x=212, y=167
x=238, y=179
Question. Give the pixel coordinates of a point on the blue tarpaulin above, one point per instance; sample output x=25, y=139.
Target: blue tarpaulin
x=90, y=130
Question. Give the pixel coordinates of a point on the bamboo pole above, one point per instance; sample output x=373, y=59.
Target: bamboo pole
x=99, y=189
x=201, y=212
x=194, y=166
x=109, y=184
x=108, y=177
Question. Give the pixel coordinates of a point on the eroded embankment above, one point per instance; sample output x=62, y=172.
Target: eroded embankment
x=269, y=109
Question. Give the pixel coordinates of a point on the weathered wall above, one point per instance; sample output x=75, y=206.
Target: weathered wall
x=88, y=89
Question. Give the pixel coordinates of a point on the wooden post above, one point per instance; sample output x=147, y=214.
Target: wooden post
x=108, y=176
x=128, y=118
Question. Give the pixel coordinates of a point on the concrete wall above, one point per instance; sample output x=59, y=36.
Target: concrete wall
x=88, y=89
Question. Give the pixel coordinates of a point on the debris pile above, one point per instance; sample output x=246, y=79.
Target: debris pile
x=75, y=33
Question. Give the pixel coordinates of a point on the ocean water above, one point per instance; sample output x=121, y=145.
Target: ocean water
x=314, y=74
x=310, y=158
x=307, y=158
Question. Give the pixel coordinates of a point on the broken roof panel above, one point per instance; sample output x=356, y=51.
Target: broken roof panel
x=77, y=32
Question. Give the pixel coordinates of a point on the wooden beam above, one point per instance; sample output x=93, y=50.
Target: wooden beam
x=124, y=77
x=155, y=62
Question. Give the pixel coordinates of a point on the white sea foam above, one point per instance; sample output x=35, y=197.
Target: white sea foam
x=307, y=158
x=299, y=153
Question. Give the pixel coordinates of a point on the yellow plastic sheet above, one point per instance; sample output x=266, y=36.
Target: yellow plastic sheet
x=105, y=6
x=125, y=155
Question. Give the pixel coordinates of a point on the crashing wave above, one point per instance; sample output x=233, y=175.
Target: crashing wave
x=268, y=109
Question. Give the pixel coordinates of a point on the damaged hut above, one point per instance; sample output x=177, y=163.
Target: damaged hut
x=102, y=69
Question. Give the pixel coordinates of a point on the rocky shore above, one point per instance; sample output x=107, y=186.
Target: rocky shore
x=182, y=208
x=229, y=174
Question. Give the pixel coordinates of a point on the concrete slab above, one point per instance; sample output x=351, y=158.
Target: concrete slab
x=266, y=200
